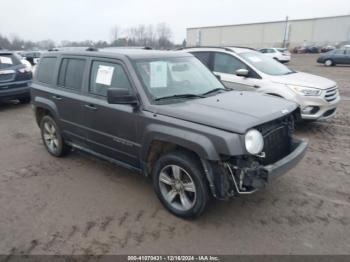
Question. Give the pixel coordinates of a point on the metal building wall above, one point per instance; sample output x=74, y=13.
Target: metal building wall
x=328, y=30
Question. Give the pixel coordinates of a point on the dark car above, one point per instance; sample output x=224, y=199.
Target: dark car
x=165, y=115
x=327, y=48
x=335, y=57
x=15, y=78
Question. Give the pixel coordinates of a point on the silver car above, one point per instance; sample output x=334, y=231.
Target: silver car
x=247, y=69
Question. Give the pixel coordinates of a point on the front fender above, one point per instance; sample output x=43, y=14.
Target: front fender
x=195, y=142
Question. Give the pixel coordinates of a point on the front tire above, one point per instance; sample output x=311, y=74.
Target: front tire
x=180, y=185
x=52, y=137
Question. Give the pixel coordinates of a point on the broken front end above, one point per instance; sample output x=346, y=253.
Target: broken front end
x=247, y=173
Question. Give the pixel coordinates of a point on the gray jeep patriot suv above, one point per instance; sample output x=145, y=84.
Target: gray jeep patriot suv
x=165, y=115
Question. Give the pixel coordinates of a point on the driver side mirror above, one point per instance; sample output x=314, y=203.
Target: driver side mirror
x=121, y=96
x=242, y=72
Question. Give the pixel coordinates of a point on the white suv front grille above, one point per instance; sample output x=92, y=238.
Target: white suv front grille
x=331, y=94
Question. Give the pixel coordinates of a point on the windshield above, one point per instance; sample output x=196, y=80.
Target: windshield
x=266, y=64
x=183, y=76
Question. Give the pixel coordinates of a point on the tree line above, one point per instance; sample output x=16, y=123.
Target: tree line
x=157, y=36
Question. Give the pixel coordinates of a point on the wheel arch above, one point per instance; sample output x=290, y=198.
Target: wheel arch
x=42, y=107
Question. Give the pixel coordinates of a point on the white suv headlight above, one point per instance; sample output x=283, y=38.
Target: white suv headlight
x=254, y=142
x=305, y=91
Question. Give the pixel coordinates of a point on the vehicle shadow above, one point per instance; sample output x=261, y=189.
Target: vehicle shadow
x=10, y=105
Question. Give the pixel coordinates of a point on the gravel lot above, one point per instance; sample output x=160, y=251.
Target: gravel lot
x=82, y=205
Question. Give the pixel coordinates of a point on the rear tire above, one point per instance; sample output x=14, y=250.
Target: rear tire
x=180, y=185
x=52, y=137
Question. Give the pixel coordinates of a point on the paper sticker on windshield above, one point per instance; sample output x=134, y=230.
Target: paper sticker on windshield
x=104, y=75
x=158, y=74
x=254, y=59
x=6, y=60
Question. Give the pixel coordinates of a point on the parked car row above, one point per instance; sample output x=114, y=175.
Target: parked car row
x=315, y=49
x=186, y=118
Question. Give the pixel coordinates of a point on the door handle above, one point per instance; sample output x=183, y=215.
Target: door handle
x=91, y=107
x=57, y=97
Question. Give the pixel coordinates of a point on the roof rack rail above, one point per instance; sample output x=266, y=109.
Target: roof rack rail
x=221, y=47
x=246, y=47
x=129, y=47
x=226, y=48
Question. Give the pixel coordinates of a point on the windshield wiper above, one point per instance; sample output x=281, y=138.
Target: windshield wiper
x=213, y=91
x=179, y=96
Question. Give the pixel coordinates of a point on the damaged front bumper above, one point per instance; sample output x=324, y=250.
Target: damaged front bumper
x=247, y=180
x=285, y=164
x=245, y=176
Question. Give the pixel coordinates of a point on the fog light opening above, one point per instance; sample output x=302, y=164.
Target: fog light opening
x=310, y=110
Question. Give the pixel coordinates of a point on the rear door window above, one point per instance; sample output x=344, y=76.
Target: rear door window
x=71, y=73
x=8, y=60
x=46, y=70
x=106, y=75
x=339, y=52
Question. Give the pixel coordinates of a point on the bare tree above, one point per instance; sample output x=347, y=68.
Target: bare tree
x=164, y=35
x=115, y=33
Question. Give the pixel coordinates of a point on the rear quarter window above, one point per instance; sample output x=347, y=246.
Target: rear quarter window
x=46, y=70
x=71, y=73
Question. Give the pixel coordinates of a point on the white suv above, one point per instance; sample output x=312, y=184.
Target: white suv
x=280, y=54
x=246, y=69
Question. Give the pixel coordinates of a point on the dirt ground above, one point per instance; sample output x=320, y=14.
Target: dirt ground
x=83, y=205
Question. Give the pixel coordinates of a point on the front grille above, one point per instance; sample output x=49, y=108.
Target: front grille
x=276, y=145
x=331, y=94
x=7, y=77
x=277, y=139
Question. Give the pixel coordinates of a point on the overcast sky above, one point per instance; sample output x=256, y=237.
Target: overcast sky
x=77, y=20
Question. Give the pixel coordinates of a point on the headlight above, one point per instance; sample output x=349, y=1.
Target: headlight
x=305, y=91
x=254, y=142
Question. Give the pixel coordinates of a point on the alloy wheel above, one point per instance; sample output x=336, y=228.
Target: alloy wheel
x=177, y=187
x=328, y=62
x=50, y=137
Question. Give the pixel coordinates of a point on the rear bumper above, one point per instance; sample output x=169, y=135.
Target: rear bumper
x=16, y=90
x=282, y=166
